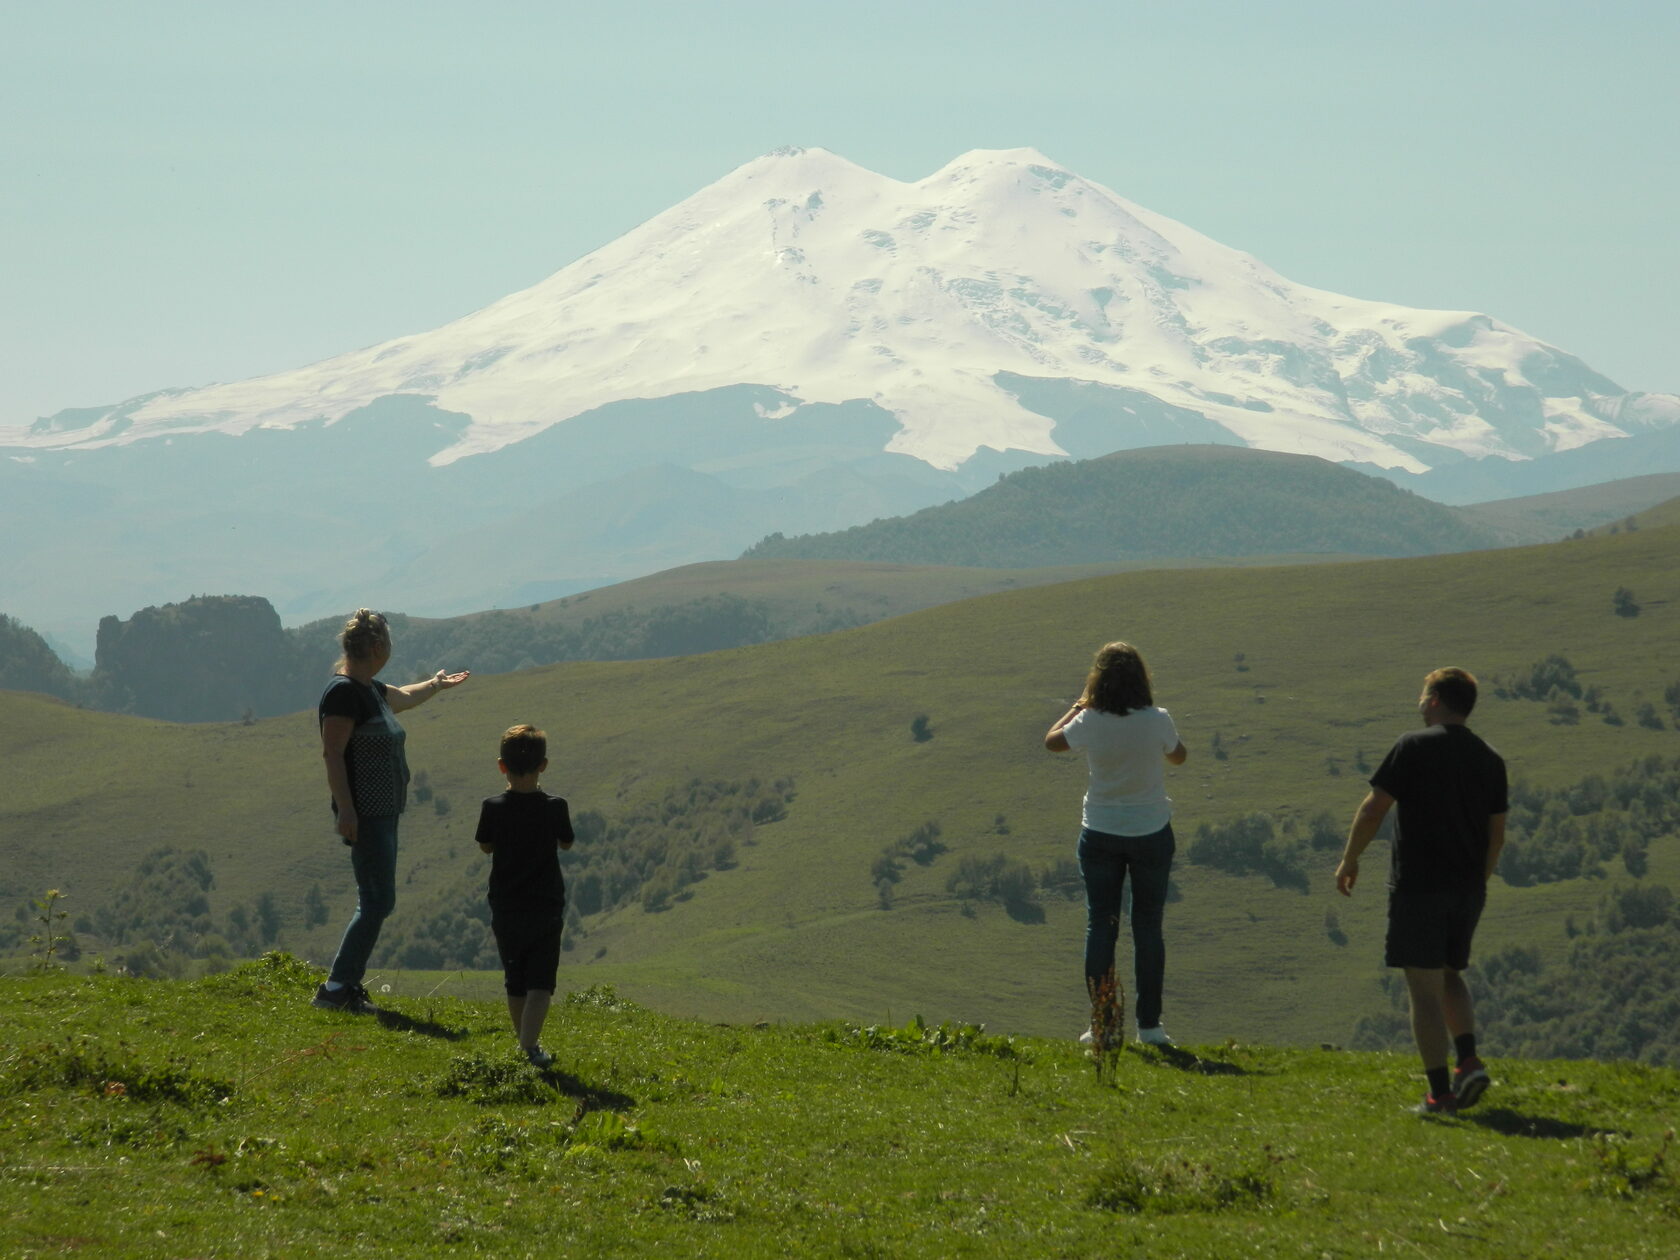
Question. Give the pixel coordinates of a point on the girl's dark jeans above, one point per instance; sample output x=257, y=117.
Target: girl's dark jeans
x=1105, y=860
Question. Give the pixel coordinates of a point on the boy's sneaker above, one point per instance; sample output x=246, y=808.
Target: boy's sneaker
x=350, y=997
x=1433, y=1106
x=1156, y=1036
x=1469, y=1082
x=538, y=1057
x=1087, y=1038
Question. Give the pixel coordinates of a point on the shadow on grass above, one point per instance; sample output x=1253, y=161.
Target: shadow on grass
x=1515, y=1124
x=1184, y=1061
x=593, y=1097
x=397, y=1022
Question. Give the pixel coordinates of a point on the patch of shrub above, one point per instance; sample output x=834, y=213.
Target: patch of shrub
x=275, y=973
x=1001, y=879
x=917, y=1037
x=1184, y=1184
x=921, y=846
x=1569, y=831
x=601, y=997
x=1255, y=844
x=1538, y=681
x=493, y=1082
x=82, y=1064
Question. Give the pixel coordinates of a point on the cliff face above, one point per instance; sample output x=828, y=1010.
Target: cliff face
x=213, y=658
x=27, y=663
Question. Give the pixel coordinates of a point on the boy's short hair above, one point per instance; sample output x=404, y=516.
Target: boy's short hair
x=1453, y=687
x=524, y=749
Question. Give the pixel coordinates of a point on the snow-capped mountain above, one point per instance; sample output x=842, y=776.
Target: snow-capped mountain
x=947, y=303
x=801, y=347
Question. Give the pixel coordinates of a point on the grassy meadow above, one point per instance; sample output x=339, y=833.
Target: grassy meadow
x=1330, y=660
x=224, y=1117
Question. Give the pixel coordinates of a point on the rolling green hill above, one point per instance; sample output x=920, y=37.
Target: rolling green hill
x=1158, y=502
x=708, y=607
x=1661, y=516
x=1300, y=674
x=1544, y=517
x=219, y=657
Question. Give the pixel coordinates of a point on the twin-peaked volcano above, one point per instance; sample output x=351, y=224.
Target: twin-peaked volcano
x=1001, y=302
x=802, y=347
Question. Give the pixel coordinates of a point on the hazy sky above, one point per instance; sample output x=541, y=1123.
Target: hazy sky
x=209, y=191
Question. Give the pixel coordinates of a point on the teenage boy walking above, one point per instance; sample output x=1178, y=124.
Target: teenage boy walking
x=1451, y=790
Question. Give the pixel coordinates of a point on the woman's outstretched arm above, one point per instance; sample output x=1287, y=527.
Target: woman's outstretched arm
x=401, y=698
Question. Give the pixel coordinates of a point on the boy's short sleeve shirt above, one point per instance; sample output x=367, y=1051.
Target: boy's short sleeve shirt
x=525, y=831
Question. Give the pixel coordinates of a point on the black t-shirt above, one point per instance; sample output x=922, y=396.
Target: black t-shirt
x=524, y=831
x=1448, y=783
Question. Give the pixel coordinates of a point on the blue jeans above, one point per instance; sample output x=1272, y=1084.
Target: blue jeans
x=1104, y=861
x=374, y=859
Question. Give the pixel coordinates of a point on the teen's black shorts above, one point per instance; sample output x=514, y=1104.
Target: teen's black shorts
x=1432, y=928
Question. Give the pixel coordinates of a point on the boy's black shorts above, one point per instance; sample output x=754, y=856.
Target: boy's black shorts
x=529, y=944
x=1433, y=928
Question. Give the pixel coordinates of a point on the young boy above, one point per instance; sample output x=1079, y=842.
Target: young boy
x=523, y=830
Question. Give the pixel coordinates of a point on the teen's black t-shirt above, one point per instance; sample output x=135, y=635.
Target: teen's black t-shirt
x=1448, y=783
x=524, y=831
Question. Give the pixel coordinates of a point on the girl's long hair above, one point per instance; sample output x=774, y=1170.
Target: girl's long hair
x=1118, y=681
x=362, y=635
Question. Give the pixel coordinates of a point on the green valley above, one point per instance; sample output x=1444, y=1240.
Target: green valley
x=1284, y=681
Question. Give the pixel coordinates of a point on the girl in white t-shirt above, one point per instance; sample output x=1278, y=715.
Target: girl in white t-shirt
x=1127, y=829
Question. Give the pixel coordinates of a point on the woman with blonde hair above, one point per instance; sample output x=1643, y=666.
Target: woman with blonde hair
x=1127, y=830
x=362, y=744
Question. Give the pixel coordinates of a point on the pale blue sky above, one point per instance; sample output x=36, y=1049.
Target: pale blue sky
x=207, y=191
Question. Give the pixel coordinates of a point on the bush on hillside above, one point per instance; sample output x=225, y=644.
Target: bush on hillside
x=1256, y=844
x=1570, y=831
x=1004, y=880
x=1540, y=681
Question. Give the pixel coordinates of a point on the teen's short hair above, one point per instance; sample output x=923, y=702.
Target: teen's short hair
x=1453, y=687
x=524, y=749
x=1118, y=681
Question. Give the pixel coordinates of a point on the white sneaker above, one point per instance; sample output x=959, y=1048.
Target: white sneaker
x=1156, y=1036
x=1087, y=1038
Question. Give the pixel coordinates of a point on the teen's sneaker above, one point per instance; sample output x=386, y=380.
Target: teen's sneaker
x=1087, y=1038
x=1469, y=1082
x=1433, y=1106
x=1156, y=1036
x=350, y=997
x=538, y=1057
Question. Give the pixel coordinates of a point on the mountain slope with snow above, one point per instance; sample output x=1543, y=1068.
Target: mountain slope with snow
x=823, y=282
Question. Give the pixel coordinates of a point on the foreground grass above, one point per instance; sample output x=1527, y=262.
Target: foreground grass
x=226, y=1117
